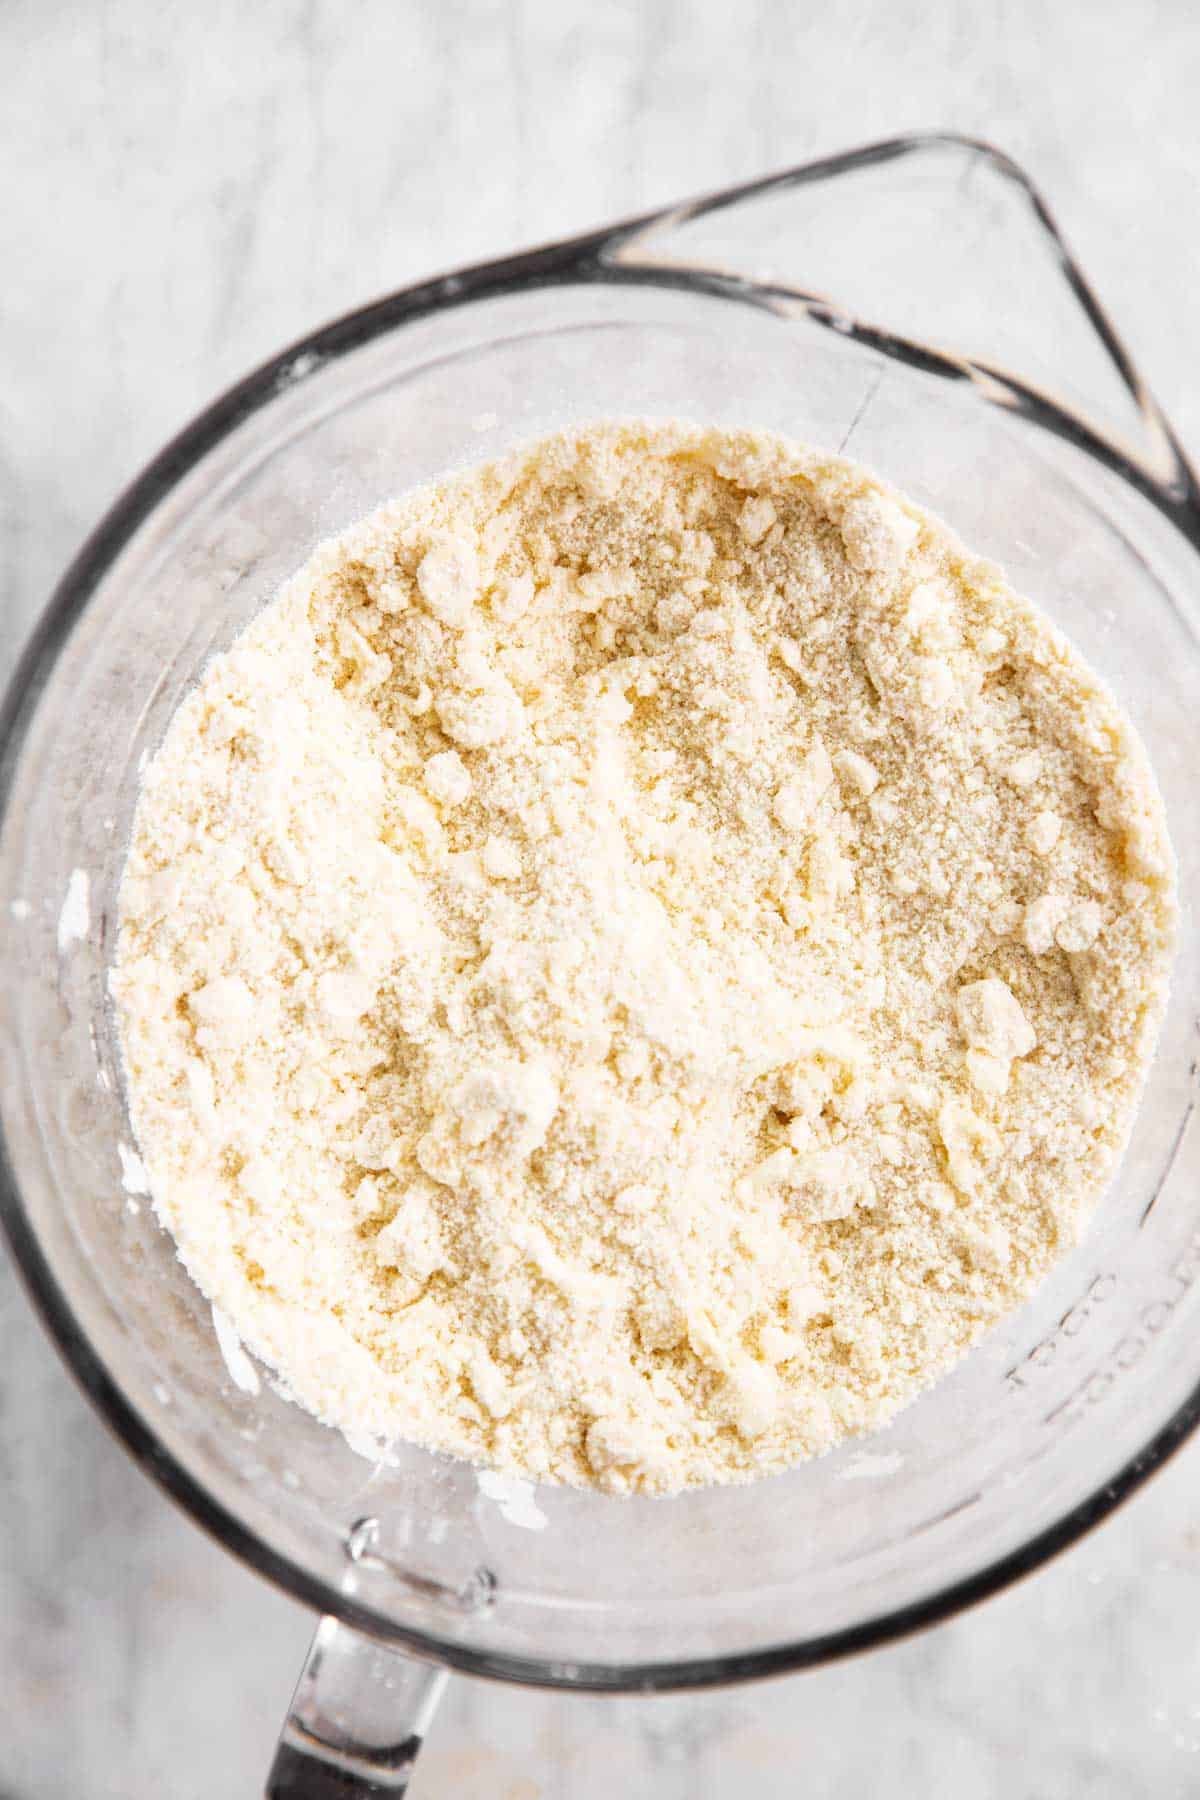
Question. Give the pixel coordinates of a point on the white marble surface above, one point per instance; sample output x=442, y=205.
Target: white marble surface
x=183, y=190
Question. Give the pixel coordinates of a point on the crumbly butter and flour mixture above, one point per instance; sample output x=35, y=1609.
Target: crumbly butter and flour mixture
x=636, y=958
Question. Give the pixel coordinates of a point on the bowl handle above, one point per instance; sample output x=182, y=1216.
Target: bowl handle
x=357, y=1721
x=939, y=251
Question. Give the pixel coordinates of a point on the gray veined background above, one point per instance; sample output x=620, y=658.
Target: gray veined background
x=182, y=190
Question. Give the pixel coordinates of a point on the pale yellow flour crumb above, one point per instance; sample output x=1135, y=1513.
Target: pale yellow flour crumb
x=636, y=958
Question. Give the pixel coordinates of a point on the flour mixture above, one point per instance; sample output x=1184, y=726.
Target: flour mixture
x=636, y=958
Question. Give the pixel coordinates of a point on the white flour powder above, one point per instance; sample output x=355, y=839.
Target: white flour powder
x=636, y=958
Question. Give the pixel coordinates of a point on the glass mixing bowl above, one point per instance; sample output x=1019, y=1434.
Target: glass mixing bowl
x=948, y=276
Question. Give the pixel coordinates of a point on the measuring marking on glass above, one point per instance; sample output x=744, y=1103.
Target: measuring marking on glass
x=1172, y=1158
x=1069, y=1326
x=1152, y=1320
